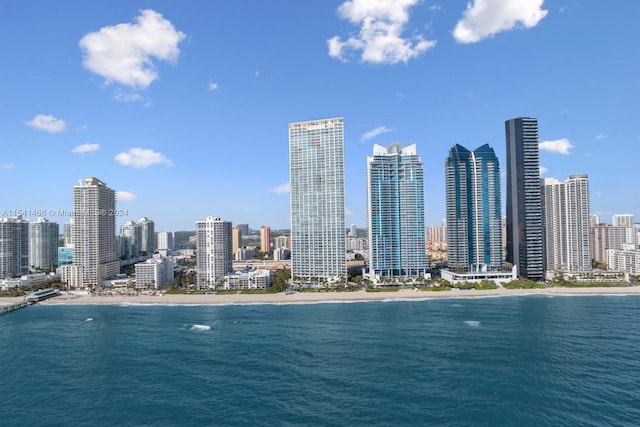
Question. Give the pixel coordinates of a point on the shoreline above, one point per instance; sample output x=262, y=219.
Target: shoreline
x=316, y=297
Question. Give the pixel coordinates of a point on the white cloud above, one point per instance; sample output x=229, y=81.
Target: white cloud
x=280, y=189
x=601, y=135
x=485, y=18
x=85, y=148
x=47, y=123
x=543, y=170
x=380, y=38
x=7, y=166
x=347, y=212
x=212, y=86
x=142, y=158
x=126, y=97
x=561, y=146
x=122, y=53
x=125, y=196
x=373, y=133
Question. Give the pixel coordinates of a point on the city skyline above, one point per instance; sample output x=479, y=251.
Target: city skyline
x=209, y=105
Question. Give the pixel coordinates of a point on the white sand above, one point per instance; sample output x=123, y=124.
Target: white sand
x=311, y=297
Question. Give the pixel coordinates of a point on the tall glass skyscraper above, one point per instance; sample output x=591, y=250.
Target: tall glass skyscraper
x=524, y=204
x=474, y=214
x=43, y=245
x=395, y=188
x=14, y=247
x=318, y=233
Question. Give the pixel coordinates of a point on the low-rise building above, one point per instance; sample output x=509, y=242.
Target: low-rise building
x=479, y=275
x=156, y=272
x=280, y=254
x=247, y=279
x=626, y=259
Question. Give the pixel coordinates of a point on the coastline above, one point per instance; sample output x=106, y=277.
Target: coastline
x=316, y=297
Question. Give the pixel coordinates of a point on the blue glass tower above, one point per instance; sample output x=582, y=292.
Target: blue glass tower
x=395, y=185
x=474, y=216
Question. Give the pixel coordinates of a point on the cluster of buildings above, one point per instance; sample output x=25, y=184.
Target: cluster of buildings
x=547, y=227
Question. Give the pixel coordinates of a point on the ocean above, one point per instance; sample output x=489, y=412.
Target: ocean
x=518, y=360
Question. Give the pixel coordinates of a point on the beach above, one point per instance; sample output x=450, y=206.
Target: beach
x=318, y=297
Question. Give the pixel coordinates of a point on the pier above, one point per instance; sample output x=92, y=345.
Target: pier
x=41, y=295
x=9, y=308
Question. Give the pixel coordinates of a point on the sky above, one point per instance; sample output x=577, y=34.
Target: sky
x=183, y=107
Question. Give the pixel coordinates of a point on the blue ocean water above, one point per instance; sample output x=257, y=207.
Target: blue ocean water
x=522, y=361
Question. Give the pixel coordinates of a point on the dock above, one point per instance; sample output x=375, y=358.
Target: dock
x=9, y=308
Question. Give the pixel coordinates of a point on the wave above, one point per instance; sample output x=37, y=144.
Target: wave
x=472, y=323
x=200, y=327
x=88, y=319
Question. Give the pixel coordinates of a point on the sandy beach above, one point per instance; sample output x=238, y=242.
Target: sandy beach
x=317, y=297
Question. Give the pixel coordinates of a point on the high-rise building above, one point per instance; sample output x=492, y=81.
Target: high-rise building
x=599, y=242
x=281, y=242
x=43, y=245
x=395, y=189
x=316, y=167
x=94, y=227
x=236, y=239
x=166, y=240
x=265, y=239
x=244, y=228
x=622, y=220
x=524, y=206
x=130, y=241
x=68, y=233
x=214, y=257
x=353, y=230
x=565, y=207
x=474, y=213
x=147, y=235
x=14, y=247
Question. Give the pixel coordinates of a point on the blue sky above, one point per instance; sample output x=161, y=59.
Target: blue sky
x=183, y=107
